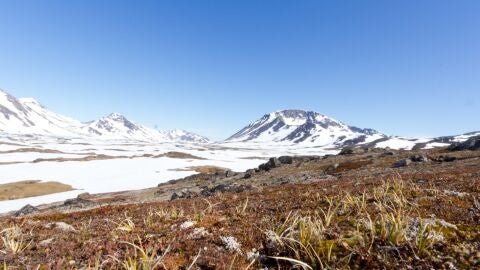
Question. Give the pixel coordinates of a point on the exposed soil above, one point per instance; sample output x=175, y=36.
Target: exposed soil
x=32, y=150
x=206, y=169
x=178, y=155
x=30, y=188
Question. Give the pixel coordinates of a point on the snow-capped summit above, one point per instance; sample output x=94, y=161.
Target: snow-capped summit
x=182, y=135
x=26, y=116
x=117, y=126
x=302, y=127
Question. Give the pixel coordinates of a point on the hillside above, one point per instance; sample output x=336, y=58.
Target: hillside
x=368, y=208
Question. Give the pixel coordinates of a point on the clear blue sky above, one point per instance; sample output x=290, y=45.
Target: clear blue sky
x=402, y=67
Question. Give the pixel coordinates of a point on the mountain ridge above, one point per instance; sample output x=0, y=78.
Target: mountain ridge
x=291, y=128
x=27, y=116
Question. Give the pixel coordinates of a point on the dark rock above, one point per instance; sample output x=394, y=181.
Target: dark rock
x=472, y=143
x=285, y=160
x=387, y=153
x=355, y=141
x=229, y=173
x=445, y=159
x=402, y=163
x=26, y=210
x=249, y=173
x=419, y=158
x=207, y=192
x=80, y=202
x=352, y=150
x=302, y=159
x=183, y=194
x=264, y=167
x=273, y=163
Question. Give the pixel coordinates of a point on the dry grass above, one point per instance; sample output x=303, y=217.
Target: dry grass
x=30, y=188
x=360, y=220
x=207, y=169
x=180, y=155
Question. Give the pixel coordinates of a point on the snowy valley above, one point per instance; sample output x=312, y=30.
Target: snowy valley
x=115, y=154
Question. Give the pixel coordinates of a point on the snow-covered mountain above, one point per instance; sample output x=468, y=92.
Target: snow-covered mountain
x=304, y=128
x=27, y=116
x=300, y=128
x=117, y=126
x=186, y=136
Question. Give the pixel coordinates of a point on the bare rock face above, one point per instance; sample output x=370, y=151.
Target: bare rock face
x=471, y=144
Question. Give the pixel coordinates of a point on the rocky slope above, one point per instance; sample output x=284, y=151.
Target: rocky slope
x=364, y=205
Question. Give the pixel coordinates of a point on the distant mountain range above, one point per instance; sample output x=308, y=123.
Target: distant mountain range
x=27, y=116
x=293, y=128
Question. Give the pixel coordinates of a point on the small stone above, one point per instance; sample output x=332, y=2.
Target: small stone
x=45, y=242
x=61, y=226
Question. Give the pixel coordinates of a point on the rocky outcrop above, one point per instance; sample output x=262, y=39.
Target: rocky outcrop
x=471, y=144
x=209, y=191
x=26, y=210
x=418, y=158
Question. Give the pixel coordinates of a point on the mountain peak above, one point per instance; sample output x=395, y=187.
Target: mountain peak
x=295, y=126
x=29, y=100
x=180, y=134
x=116, y=116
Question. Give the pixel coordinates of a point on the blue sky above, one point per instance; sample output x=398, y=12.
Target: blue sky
x=402, y=67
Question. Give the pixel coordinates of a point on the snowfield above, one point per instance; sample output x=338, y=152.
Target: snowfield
x=126, y=168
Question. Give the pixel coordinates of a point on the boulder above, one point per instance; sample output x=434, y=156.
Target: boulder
x=285, y=160
x=402, y=163
x=183, y=194
x=274, y=162
x=249, y=173
x=419, y=158
x=264, y=167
